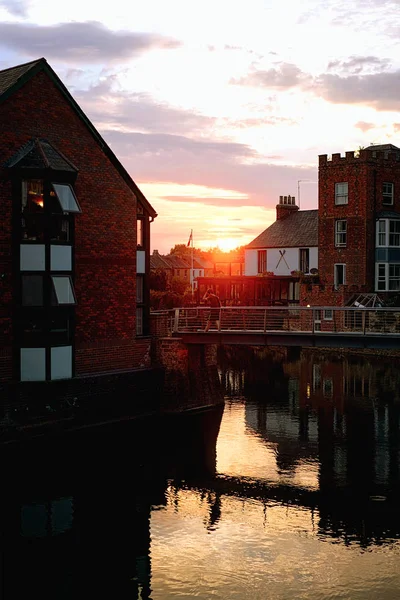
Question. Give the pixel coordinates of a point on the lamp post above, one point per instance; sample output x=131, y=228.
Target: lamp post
x=299, y=181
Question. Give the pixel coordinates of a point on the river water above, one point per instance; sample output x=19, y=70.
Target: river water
x=290, y=492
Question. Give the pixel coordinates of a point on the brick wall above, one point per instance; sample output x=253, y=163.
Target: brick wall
x=105, y=245
x=191, y=375
x=365, y=176
x=112, y=355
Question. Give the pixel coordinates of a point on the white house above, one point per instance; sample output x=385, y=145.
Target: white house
x=289, y=244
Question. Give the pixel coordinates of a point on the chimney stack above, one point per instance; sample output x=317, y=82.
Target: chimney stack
x=286, y=206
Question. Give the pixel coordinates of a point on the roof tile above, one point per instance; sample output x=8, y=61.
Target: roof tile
x=8, y=77
x=298, y=229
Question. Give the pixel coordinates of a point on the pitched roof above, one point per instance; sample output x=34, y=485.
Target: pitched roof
x=15, y=77
x=10, y=77
x=176, y=262
x=298, y=229
x=40, y=154
x=157, y=261
x=172, y=261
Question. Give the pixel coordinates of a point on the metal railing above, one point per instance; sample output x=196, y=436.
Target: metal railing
x=264, y=319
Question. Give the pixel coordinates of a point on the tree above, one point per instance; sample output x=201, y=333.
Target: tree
x=178, y=285
x=158, y=280
x=181, y=250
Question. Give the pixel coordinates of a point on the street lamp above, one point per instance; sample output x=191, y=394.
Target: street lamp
x=299, y=181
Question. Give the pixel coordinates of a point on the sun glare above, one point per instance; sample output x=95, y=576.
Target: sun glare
x=227, y=244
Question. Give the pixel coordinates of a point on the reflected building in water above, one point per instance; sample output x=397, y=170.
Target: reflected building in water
x=342, y=412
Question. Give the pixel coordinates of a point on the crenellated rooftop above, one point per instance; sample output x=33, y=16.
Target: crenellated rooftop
x=382, y=152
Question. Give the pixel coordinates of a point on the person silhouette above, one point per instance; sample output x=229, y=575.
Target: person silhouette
x=214, y=314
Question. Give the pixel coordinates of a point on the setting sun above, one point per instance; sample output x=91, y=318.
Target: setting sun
x=227, y=244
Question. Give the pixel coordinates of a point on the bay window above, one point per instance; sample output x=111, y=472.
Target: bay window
x=387, y=277
x=388, y=233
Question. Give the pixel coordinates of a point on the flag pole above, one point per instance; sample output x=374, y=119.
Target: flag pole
x=191, y=235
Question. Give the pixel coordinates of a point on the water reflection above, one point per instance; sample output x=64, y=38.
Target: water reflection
x=294, y=489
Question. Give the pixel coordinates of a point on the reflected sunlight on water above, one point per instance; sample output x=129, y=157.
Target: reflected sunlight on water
x=291, y=493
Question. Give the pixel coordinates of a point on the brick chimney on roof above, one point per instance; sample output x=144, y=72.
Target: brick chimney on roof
x=287, y=205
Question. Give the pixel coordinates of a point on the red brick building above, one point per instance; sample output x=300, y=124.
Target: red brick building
x=359, y=221
x=74, y=239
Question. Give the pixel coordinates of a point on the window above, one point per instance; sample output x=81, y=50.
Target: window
x=304, y=260
x=328, y=314
x=340, y=233
x=388, y=277
x=139, y=321
x=60, y=329
x=63, y=292
x=327, y=387
x=339, y=275
x=316, y=377
x=59, y=229
x=32, y=210
x=394, y=233
x=261, y=261
x=388, y=233
x=66, y=197
x=139, y=232
x=139, y=289
x=381, y=277
x=341, y=193
x=317, y=320
x=394, y=277
x=388, y=193
x=32, y=290
x=381, y=233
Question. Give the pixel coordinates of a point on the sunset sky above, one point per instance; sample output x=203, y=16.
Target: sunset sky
x=218, y=107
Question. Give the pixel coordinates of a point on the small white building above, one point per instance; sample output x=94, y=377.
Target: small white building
x=290, y=244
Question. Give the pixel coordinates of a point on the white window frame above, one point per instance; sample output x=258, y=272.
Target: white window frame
x=393, y=278
x=340, y=234
x=341, y=193
x=381, y=233
x=328, y=314
x=335, y=274
x=386, y=236
x=387, y=193
x=394, y=235
x=386, y=277
x=380, y=277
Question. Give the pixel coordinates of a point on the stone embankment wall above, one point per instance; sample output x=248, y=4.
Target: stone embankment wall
x=191, y=379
